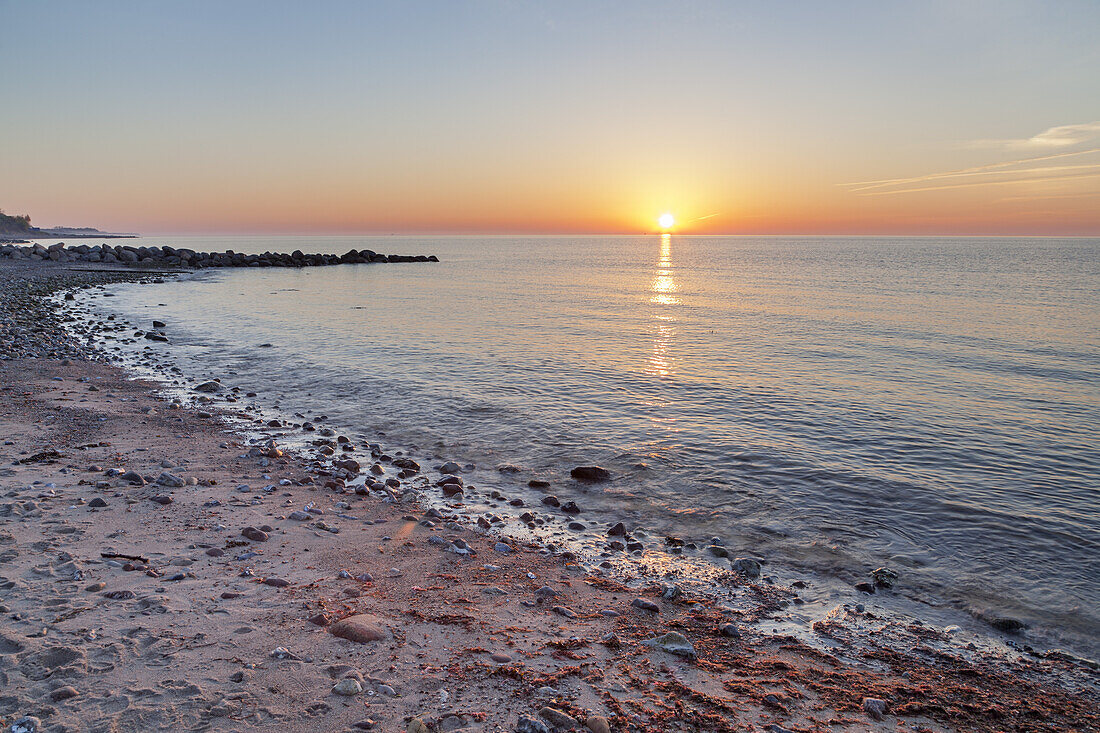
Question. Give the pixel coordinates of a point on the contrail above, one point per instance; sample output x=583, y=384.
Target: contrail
x=983, y=183
x=962, y=171
x=700, y=218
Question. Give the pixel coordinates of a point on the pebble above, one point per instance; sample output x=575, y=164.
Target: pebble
x=558, y=718
x=256, y=535
x=97, y=503
x=597, y=724
x=746, y=566
x=347, y=687
x=874, y=707
x=673, y=643
x=645, y=605
x=63, y=693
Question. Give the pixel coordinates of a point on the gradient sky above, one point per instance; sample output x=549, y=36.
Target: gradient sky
x=587, y=116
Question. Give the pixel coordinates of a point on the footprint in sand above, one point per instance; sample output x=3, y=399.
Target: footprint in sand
x=54, y=661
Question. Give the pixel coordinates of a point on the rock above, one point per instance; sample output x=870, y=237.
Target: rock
x=746, y=566
x=120, y=595
x=564, y=611
x=865, y=587
x=320, y=619
x=97, y=503
x=674, y=643
x=133, y=477
x=276, y=582
x=215, y=552
x=256, y=535
x=170, y=480
x=26, y=724
x=164, y=500
x=884, y=577
x=590, y=473
x=645, y=605
x=500, y=657
x=95, y=587
x=209, y=387
x=300, y=516
x=617, y=530
x=416, y=725
x=159, y=324
x=537, y=483
x=570, y=507
x=551, y=500
x=1007, y=625
x=452, y=490
x=347, y=687
x=503, y=548
x=361, y=628
x=597, y=724
x=874, y=707
x=558, y=718
x=450, y=467
x=718, y=551
x=730, y=630
x=528, y=725
x=63, y=693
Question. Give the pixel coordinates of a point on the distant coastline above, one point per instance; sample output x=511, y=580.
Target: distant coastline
x=18, y=230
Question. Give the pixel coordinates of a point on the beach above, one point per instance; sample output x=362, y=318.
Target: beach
x=167, y=564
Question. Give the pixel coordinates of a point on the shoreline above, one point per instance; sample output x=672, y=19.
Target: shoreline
x=492, y=639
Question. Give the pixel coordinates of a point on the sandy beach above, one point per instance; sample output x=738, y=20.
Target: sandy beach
x=163, y=570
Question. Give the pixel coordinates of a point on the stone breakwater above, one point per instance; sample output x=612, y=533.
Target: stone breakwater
x=181, y=257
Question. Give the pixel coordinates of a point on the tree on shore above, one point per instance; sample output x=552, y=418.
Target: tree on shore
x=19, y=223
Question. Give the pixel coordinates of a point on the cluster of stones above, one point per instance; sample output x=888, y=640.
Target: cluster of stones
x=177, y=257
x=31, y=324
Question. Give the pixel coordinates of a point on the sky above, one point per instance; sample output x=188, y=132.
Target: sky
x=509, y=116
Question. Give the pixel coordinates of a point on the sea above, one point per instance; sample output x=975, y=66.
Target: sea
x=826, y=405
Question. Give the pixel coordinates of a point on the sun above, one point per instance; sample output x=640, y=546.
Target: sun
x=666, y=221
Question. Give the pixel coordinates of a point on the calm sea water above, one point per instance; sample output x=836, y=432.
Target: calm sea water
x=829, y=405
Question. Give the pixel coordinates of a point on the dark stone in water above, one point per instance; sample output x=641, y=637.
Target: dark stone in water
x=590, y=473
x=1007, y=625
x=551, y=500
x=865, y=587
x=617, y=530
x=570, y=507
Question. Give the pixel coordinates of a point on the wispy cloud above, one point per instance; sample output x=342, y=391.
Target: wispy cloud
x=1008, y=182
x=992, y=168
x=1003, y=173
x=1062, y=136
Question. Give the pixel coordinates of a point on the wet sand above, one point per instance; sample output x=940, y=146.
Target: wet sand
x=202, y=593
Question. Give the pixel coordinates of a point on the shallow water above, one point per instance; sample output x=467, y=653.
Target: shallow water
x=830, y=405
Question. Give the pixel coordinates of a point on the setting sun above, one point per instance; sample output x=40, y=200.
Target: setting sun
x=667, y=221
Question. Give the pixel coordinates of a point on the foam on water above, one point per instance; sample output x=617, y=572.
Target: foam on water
x=829, y=405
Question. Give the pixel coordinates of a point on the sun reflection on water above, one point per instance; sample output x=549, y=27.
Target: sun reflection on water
x=664, y=289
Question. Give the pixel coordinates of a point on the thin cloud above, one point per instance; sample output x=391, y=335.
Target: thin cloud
x=981, y=169
x=1012, y=181
x=1061, y=136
